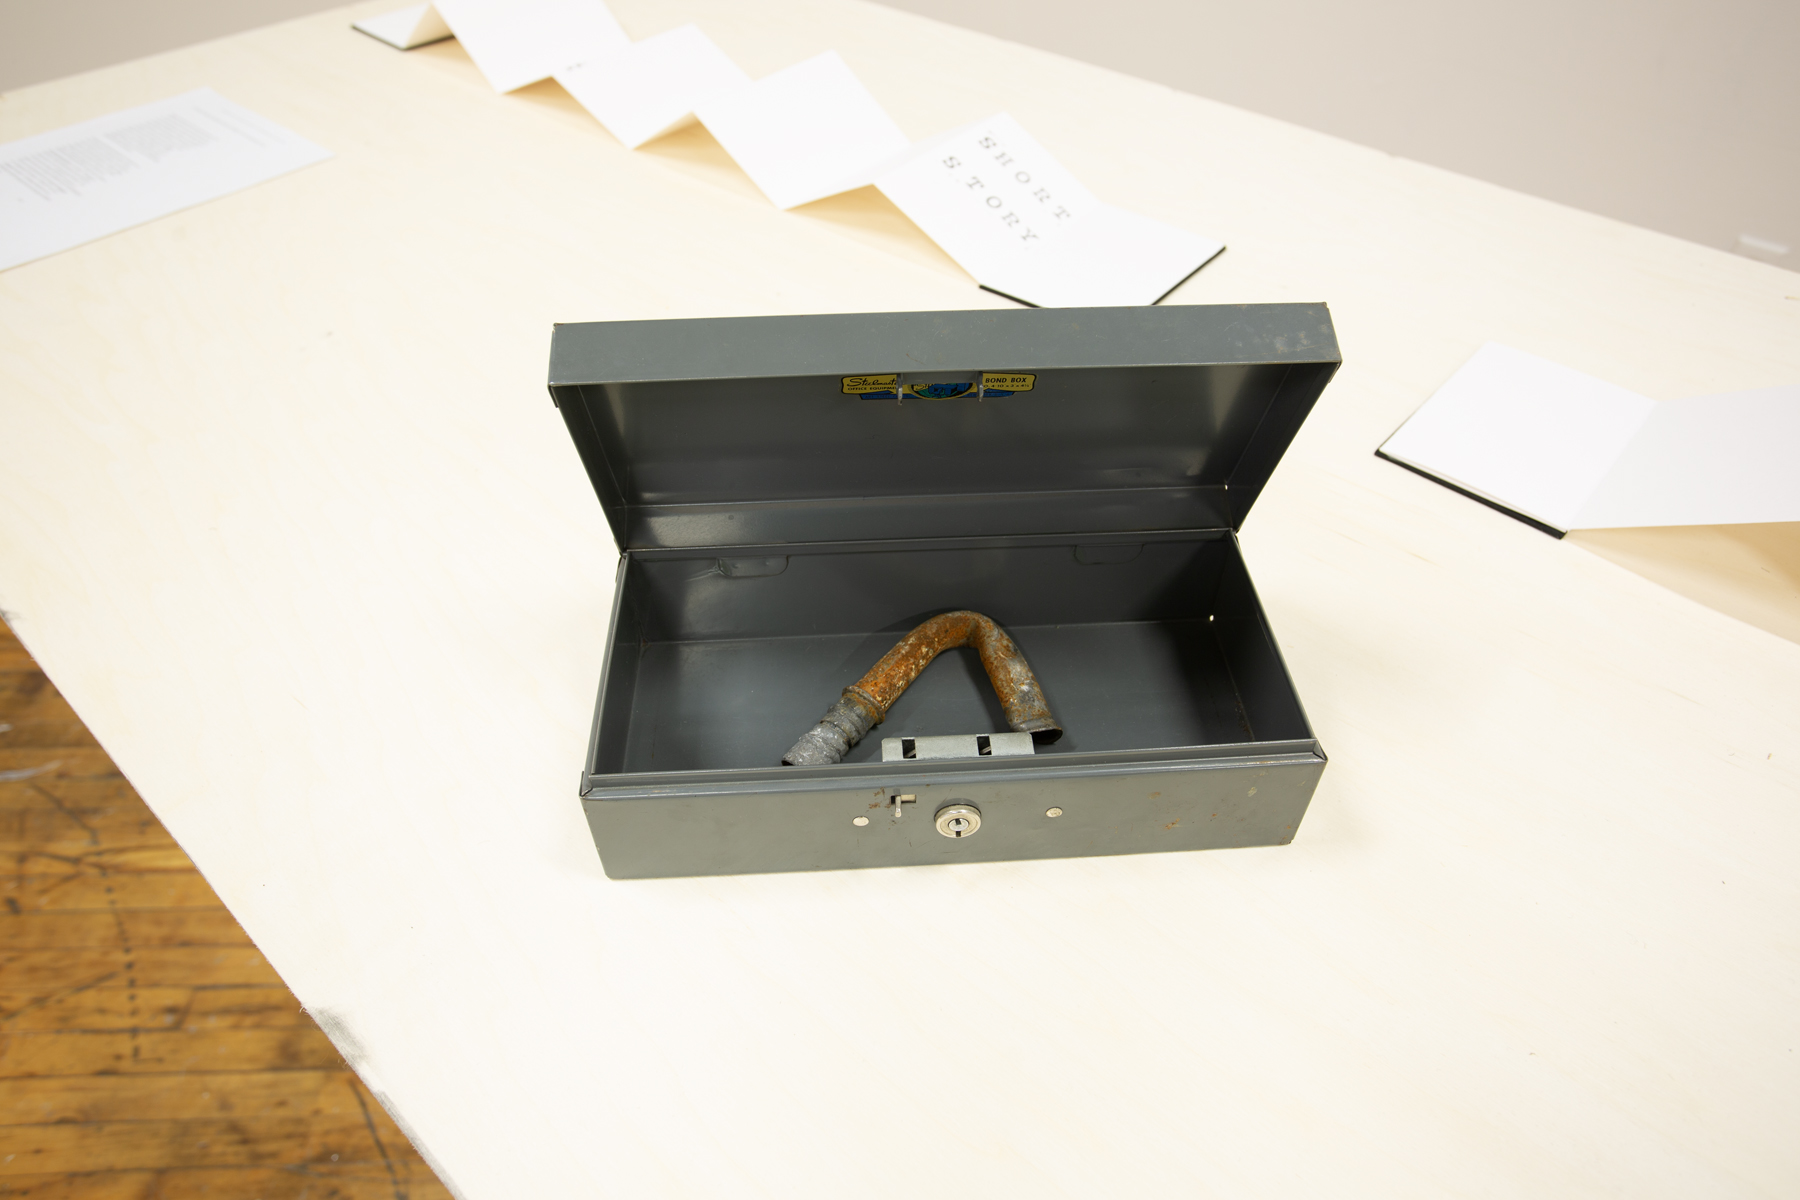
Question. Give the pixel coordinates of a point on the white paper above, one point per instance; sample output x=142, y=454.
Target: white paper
x=1731, y=459
x=1523, y=432
x=70, y=186
x=1023, y=225
x=406, y=28
x=652, y=87
x=806, y=132
x=519, y=42
x=1574, y=452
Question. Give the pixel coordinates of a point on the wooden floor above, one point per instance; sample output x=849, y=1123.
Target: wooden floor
x=147, y=1050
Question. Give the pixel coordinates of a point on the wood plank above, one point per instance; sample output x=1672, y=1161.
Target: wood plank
x=24, y=688
x=246, y=1008
x=59, y=830
x=334, y=1096
x=42, y=1054
x=155, y=966
x=409, y=1181
x=38, y=713
x=75, y=846
x=75, y=893
x=72, y=762
x=239, y=1141
x=38, y=860
x=86, y=1185
x=40, y=722
x=27, y=693
x=143, y=927
x=181, y=1096
x=128, y=928
x=96, y=1009
x=80, y=793
x=107, y=1008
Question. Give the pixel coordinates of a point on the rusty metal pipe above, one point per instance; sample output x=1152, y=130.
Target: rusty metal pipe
x=865, y=703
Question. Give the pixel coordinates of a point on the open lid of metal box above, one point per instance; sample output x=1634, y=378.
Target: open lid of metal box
x=748, y=431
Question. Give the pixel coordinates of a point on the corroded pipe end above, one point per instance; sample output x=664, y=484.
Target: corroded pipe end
x=1043, y=730
x=842, y=726
x=819, y=746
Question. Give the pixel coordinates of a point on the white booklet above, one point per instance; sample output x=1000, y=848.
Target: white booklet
x=519, y=42
x=1023, y=226
x=650, y=88
x=806, y=132
x=1563, y=450
x=989, y=194
x=73, y=185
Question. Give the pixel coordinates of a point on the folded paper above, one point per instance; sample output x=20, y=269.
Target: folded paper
x=406, y=28
x=806, y=132
x=1565, y=451
x=519, y=42
x=996, y=201
x=1018, y=221
x=652, y=87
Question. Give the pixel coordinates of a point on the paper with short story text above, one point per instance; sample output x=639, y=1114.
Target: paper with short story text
x=68, y=187
x=1020, y=222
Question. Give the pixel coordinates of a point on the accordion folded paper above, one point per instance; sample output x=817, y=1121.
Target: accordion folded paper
x=806, y=132
x=519, y=42
x=1017, y=220
x=652, y=87
x=996, y=201
x=1562, y=450
x=406, y=28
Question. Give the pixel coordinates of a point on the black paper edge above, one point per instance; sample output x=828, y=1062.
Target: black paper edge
x=1536, y=524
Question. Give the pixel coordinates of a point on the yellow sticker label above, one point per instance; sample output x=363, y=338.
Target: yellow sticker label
x=1006, y=381
x=862, y=385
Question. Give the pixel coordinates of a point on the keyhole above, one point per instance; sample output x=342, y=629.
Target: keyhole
x=959, y=820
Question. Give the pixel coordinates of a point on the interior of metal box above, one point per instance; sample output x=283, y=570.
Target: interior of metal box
x=720, y=663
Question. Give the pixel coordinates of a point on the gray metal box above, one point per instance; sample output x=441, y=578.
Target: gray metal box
x=787, y=511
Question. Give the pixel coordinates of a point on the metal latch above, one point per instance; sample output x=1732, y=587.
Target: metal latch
x=961, y=745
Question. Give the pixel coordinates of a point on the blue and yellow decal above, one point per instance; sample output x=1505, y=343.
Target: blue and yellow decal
x=939, y=391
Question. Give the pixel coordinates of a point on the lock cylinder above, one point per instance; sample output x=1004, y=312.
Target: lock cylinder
x=958, y=820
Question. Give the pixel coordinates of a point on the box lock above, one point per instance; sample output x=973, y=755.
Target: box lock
x=958, y=820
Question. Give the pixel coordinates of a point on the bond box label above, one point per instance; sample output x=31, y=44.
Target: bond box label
x=1005, y=383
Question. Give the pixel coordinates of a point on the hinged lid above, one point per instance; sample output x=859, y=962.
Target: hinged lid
x=743, y=431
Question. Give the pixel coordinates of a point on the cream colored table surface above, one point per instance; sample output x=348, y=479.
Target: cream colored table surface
x=285, y=511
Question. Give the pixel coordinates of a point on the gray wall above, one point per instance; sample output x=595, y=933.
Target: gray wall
x=47, y=39
x=1678, y=115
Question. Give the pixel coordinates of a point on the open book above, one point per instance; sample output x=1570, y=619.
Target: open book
x=1561, y=450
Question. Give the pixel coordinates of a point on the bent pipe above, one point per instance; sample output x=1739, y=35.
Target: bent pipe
x=865, y=703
